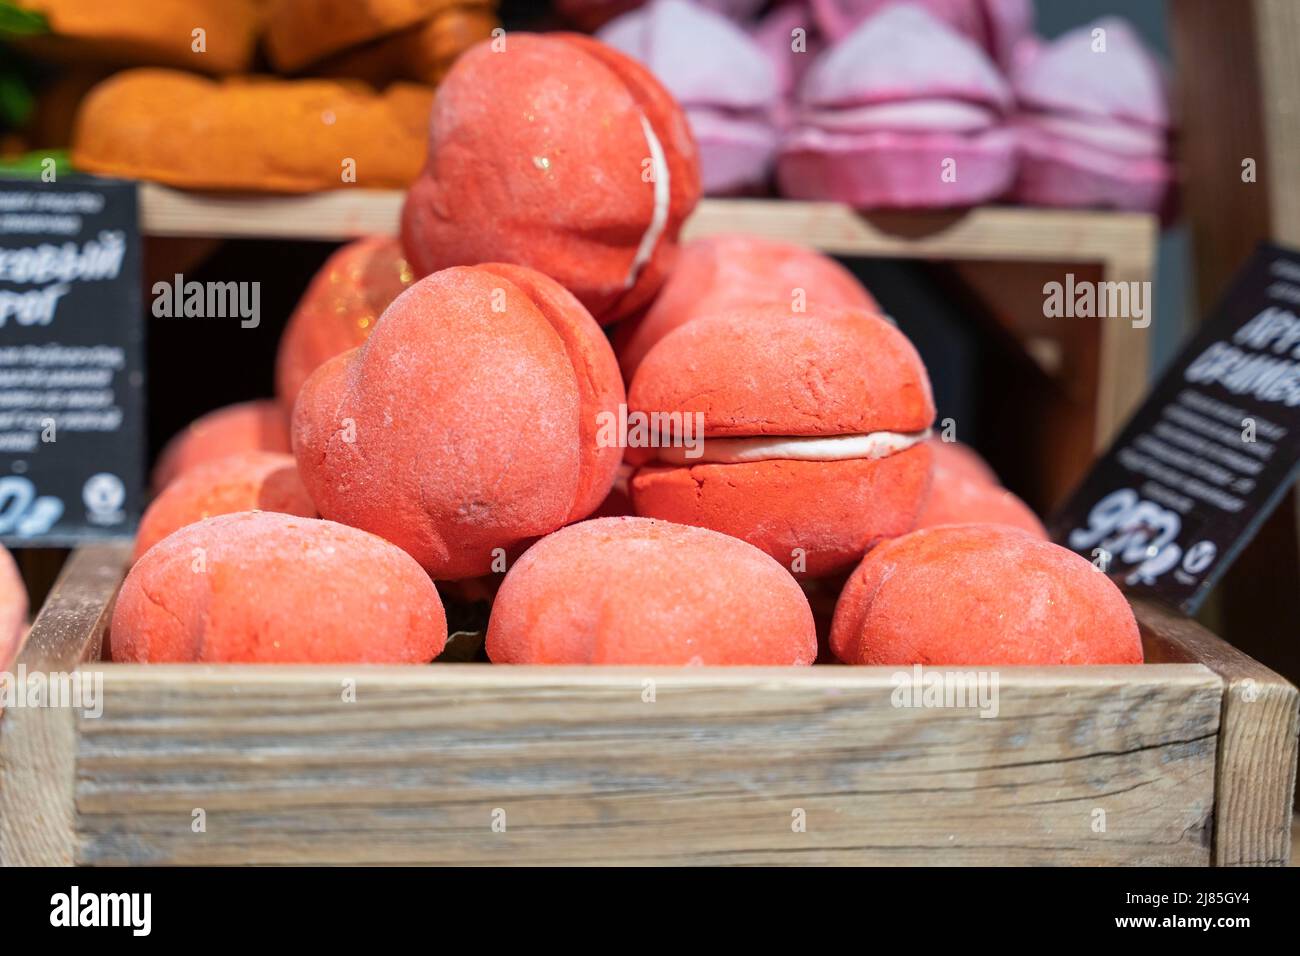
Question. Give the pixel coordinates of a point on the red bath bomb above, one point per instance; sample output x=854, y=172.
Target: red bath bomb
x=248, y=481
x=780, y=380
x=13, y=609
x=985, y=596
x=260, y=425
x=265, y=588
x=468, y=422
x=725, y=273
x=636, y=591
x=955, y=498
x=962, y=459
x=339, y=308
x=559, y=153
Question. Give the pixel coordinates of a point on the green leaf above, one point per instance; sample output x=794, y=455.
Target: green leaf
x=21, y=22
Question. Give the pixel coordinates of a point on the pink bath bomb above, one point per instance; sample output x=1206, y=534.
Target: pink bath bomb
x=247, y=481
x=266, y=588
x=638, y=591
x=469, y=422
x=260, y=425
x=560, y=153
x=984, y=596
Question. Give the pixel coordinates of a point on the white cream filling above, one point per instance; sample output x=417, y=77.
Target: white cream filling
x=732, y=451
x=659, y=218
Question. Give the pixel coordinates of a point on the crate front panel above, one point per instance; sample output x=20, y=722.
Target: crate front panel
x=465, y=764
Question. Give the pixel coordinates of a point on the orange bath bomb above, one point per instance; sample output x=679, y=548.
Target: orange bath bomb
x=148, y=33
x=468, y=422
x=246, y=481
x=300, y=32
x=338, y=310
x=260, y=425
x=13, y=609
x=956, y=498
x=814, y=432
x=985, y=596
x=724, y=273
x=963, y=460
x=559, y=153
x=251, y=133
x=265, y=588
x=636, y=591
x=421, y=54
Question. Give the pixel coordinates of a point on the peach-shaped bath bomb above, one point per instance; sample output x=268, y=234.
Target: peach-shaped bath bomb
x=559, y=153
x=260, y=425
x=724, y=273
x=637, y=591
x=13, y=609
x=984, y=596
x=814, y=432
x=264, y=588
x=964, y=460
x=246, y=481
x=339, y=308
x=956, y=498
x=468, y=422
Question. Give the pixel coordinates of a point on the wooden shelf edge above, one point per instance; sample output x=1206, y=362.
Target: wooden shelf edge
x=990, y=232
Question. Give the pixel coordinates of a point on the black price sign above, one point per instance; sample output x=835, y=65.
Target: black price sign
x=71, y=361
x=1208, y=455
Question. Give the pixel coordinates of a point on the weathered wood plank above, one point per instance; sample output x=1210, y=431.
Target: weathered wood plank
x=714, y=769
x=38, y=745
x=1255, y=786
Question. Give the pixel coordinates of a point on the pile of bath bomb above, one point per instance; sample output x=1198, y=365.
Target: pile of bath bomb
x=446, y=401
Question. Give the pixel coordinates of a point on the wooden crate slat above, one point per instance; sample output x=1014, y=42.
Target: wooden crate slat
x=586, y=770
x=38, y=746
x=1256, y=769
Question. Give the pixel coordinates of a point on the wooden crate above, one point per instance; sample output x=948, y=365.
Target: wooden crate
x=1186, y=760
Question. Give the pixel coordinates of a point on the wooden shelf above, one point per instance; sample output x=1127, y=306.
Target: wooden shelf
x=1002, y=233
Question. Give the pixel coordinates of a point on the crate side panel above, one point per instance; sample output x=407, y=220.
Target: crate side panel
x=481, y=765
